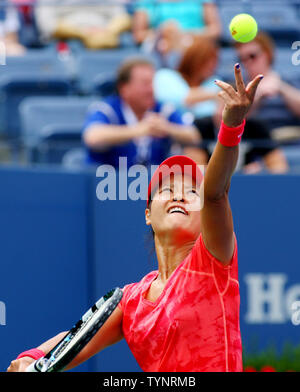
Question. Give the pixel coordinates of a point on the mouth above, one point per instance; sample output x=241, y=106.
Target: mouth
x=177, y=210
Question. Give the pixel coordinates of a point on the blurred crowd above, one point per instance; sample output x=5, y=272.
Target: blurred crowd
x=166, y=102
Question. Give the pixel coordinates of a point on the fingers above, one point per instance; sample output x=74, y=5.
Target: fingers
x=240, y=86
x=252, y=86
x=227, y=88
x=223, y=96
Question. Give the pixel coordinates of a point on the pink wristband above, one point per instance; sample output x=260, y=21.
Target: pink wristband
x=231, y=136
x=34, y=353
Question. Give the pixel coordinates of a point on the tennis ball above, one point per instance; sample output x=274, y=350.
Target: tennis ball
x=243, y=28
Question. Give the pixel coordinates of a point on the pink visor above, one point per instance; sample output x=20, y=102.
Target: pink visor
x=177, y=164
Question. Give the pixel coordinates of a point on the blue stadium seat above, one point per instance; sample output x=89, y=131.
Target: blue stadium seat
x=227, y=59
x=105, y=84
x=37, y=61
x=283, y=64
x=93, y=64
x=52, y=125
x=74, y=158
x=279, y=20
x=39, y=72
x=14, y=88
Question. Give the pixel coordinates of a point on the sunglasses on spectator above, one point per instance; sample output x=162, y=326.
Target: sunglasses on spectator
x=250, y=56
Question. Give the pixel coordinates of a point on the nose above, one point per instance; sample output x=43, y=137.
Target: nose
x=178, y=196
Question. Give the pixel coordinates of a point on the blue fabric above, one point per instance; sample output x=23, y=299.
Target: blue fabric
x=159, y=147
x=188, y=13
x=170, y=86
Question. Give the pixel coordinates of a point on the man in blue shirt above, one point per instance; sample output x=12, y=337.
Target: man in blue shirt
x=132, y=124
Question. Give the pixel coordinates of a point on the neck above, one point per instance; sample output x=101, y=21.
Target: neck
x=169, y=255
x=139, y=113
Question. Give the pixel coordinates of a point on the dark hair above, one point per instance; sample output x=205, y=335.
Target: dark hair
x=149, y=207
x=125, y=69
x=149, y=240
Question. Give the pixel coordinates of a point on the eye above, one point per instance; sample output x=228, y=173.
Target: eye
x=166, y=189
x=193, y=191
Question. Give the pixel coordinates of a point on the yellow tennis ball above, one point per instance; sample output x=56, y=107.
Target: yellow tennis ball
x=243, y=28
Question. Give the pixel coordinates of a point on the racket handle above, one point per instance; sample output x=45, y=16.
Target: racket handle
x=31, y=368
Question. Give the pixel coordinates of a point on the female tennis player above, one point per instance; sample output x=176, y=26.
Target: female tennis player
x=185, y=315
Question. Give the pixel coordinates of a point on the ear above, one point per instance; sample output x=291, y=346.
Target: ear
x=147, y=216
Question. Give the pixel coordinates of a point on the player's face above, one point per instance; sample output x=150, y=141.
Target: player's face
x=175, y=209
x=138, y=92
x=253, y=58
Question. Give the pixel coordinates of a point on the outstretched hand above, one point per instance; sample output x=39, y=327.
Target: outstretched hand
x=237, y=102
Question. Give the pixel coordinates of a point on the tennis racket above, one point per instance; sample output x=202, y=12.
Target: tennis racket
x=78, y=336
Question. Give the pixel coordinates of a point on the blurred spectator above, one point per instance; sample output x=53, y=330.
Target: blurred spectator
x=168, y=26
x=132, y=124
x=277, y=101
x=96, y=25
x=257, y=151
x=28, y=34
x=191, y=87
x=9, y=29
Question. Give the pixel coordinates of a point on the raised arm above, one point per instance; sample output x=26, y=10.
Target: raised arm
x=217, y=222
x=140, y=27
x=213, y=26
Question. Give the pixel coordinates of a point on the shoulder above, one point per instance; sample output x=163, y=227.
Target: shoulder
x=111, y=102
x=109, y=108
x=200, y=259
x=132, y=291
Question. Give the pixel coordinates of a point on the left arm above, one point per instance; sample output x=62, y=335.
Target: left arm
x=216, y=216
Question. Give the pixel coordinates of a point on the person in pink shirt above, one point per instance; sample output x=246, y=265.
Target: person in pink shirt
x=185, y=315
